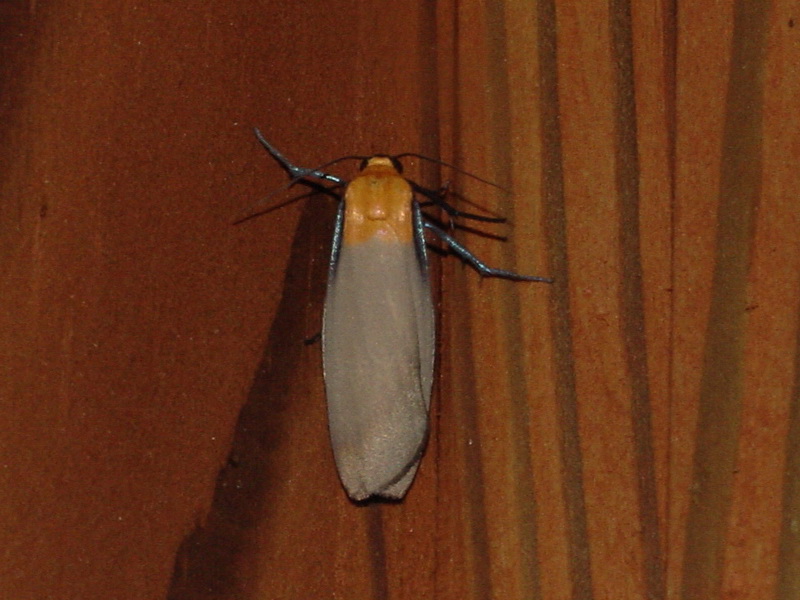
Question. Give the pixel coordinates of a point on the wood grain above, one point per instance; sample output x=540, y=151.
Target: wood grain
x=628, y=432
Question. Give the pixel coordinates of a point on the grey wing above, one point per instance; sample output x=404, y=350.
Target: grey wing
x=378, y=353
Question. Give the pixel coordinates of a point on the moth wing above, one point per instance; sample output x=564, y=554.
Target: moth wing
x=378, y=352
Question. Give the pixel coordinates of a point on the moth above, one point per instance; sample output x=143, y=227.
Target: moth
x=378, y=334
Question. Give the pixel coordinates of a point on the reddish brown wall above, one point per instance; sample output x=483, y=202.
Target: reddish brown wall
x=135, y=314
x=628, y=432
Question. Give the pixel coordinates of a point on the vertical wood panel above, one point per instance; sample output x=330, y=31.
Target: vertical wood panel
x=775, y=275
x=601, y=212
x=593, y=91
x=702, y=67
x=751, y=562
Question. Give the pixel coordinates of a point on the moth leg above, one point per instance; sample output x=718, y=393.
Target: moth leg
x=476, y=263
x=295, y=171
x=437, y=197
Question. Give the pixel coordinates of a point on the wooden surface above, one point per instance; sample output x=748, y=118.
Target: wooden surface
x=630, y=432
